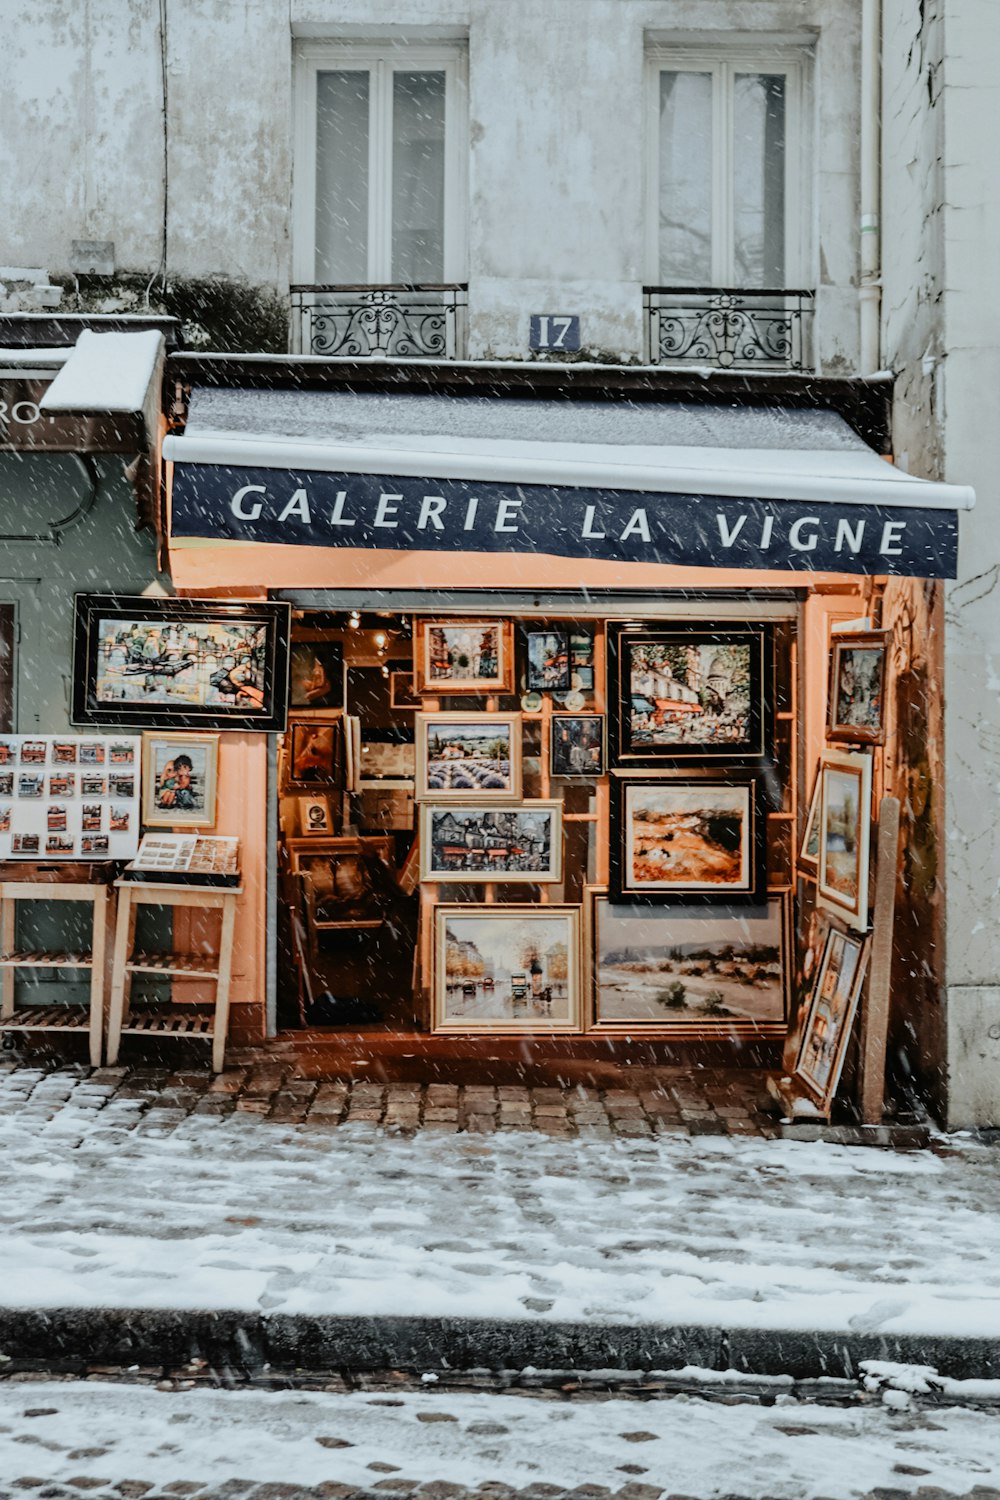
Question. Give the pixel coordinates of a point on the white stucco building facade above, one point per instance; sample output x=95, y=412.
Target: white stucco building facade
x=178, y=145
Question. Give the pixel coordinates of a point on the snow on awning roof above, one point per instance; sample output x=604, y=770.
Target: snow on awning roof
x=611, y=481
x=781, y=454
x=107, y=372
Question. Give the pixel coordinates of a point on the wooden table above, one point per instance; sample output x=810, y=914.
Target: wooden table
x=90, y=883
x=171, y=1019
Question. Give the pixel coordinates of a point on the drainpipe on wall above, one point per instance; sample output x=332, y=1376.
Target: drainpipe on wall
x=870, y=292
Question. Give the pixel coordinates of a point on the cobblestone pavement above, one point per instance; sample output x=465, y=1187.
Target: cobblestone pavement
x=706, y=1102
x=129, y=1442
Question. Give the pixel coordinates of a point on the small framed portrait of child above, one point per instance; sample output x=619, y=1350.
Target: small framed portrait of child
x=179, y=779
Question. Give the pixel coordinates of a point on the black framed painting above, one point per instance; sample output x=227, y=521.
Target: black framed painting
x=687, y=839
x=180, y=663
x=688, y=693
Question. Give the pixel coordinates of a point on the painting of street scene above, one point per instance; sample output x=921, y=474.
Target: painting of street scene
x=831, y=1012
x=469, y=757
x=548, y=660
x=684, y=837
x=859, y=673
x=465, y=654
x=512, y=968
x=841, y=833
x=683, y=693
x=483, y=843
x=688, y=963
x=198, y=664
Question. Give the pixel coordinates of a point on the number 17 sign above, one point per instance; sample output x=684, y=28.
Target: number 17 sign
x=557, y=332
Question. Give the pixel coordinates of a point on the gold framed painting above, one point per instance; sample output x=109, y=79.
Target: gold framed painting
x=845, y=814
x=507, y=969
x=832, y=1007
x=454, y=657
x=688, y=970
x=179, y=779
x=468, y=757
x=470, y=844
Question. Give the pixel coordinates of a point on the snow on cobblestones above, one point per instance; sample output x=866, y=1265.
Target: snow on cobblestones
x=248, y=1215
x=93, y=1432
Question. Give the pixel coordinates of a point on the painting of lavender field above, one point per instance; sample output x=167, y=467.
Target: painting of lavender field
x=469, y=757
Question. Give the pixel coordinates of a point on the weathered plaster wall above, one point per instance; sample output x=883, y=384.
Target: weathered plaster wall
x=942, y=326
x=556, y=186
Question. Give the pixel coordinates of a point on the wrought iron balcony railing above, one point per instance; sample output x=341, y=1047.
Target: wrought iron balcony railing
x=730, y=329
x=380, y=322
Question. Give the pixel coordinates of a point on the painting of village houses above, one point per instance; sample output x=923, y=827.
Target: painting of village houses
x=483, y=843
x=509, y=967
x=688, y=963
x=686, y=694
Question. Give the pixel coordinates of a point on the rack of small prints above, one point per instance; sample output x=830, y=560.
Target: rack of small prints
x=69, y=796
x=186, y=859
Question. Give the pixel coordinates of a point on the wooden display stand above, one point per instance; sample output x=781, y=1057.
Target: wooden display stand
x=171, y=1019
x=90, y=883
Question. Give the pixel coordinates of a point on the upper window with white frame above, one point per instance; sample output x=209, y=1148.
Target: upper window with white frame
x=725, y=168
x=380, y=156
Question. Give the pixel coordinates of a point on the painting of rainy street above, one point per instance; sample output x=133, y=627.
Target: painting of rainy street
x=683, y=963
x=507, y=968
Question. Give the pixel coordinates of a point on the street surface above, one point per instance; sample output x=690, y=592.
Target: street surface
x=59, y=1441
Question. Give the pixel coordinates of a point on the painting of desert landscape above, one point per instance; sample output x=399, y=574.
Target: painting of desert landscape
x=687, y=837
x=683, y=963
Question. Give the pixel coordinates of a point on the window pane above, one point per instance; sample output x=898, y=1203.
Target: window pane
x=759, y=186
x=342, y=177
x=686, y=178
x=418, y=176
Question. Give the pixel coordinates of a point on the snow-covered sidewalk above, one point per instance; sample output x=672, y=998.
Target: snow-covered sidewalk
x=237, y=1213
x=203, y=1442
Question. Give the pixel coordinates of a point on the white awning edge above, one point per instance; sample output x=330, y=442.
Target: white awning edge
x=814, y=476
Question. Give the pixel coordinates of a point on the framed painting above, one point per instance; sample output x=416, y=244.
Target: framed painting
x=723, y=967
x=832, y=1008
x=315, y=675
x=581, y=663
x=180, y=663
x=693, y=693
x=451, y=657
x=315, y=818
x=677, y=839
x=315, y=749
x=576, y=745
x=507, y=969
x=179, y=779
x=472, y=844
x=548, y=666
x=809, y=849
x=402, y=693
x=845, y=815
x=342, y=889
x=468, y=757
x=857, y=688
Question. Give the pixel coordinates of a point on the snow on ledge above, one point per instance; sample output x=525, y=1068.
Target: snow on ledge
x=106, y=372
